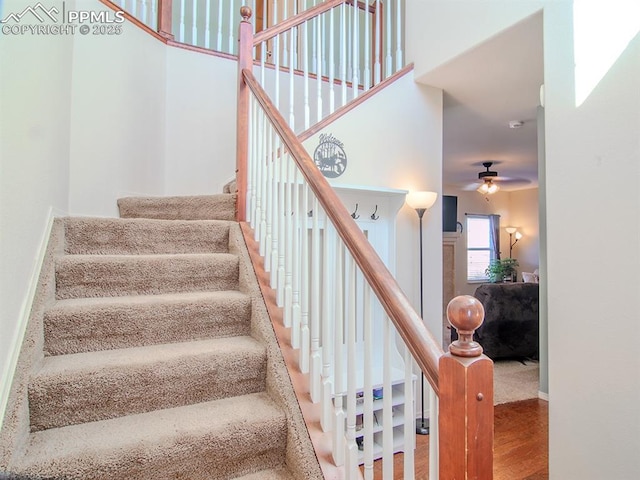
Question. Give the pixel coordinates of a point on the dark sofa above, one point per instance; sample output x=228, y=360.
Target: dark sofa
x=511, y=324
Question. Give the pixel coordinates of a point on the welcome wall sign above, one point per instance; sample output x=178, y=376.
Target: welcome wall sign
x=329, y=156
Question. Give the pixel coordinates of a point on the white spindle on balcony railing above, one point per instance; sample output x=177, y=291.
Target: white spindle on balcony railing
x=338, y=48
x=144, y=10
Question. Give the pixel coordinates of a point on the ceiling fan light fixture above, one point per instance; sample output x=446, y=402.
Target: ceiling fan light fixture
x=488, y=187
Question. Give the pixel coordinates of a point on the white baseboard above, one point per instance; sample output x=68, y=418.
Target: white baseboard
x=25, y=311
x=543, y=396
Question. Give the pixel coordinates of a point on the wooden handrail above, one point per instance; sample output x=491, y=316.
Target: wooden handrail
x=422, y=345
x=302, y=17
x=294, y=21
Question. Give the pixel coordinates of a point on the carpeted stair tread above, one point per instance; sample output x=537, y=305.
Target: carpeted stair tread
x=272, y=474
x=199, y=207
x=104, y=323
x=222, y=439
x=87, y=387
x=85, y=235
x=117, y=275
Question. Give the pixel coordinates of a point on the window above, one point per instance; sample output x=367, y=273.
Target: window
x=482, y=244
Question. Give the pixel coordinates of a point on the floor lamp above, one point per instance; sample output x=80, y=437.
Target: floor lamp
x=421, y=202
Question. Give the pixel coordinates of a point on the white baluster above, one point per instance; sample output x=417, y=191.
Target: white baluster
x=194, y=23
x=351, y=452
x=232, y=9
x=299, y=215
x=387, y=404
x=288, y=250
x=292, y=118
x=377, y=51
x=305, y=66
x=343, y=52
x=338, y=411
x=305, y=287
x=367, y=417
x=250, y=194
x=262, y=197
x=409, y=429
x=282, y=216
x=328, y=299
x=181, y=28
x=398, y=35
x=276, y=61
x=315, y=368
x=275, y=214
x=389, y=35
x=153, y=21
x=255, y=196
x=269, y=204
x=143, y=13
x=285, y=36
x=332, y=62
x=355, y=77
x=220, y=23
x=366, y=75
x=314, y=44
x=207, y=24
x=134, y=8
x=318, y=59
x=434, y=435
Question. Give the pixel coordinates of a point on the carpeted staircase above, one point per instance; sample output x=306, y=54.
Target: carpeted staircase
x=158, y=360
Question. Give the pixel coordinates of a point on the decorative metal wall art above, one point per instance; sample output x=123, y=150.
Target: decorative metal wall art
x=329, y=156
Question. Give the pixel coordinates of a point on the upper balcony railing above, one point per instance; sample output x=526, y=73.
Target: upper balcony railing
x=323, y=53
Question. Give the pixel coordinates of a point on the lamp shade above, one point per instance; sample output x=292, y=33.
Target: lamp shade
x=424, y=200
x=518, y=235
x=510, y=230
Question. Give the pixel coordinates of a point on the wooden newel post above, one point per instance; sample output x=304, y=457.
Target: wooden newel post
x=165, y=16
x=245, y=61
x=466, y=399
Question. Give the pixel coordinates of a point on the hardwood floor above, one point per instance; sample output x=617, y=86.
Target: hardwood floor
x=520, y=444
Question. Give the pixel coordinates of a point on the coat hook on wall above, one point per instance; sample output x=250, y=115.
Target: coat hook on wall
x=373, y=215
x=355, y=215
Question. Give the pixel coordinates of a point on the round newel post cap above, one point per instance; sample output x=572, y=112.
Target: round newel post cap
x=245, y=13
x=465, y=313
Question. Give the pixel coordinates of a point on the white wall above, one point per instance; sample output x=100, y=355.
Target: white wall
x=408, y=158
x=594, y=384
x=147, y=119
x=117, y=119
x=439, y=30
x=34, y=169
x=201, y=93
x=593, y=259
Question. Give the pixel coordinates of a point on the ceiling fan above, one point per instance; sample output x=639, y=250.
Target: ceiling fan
x=489, y=181
x=488, y=177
